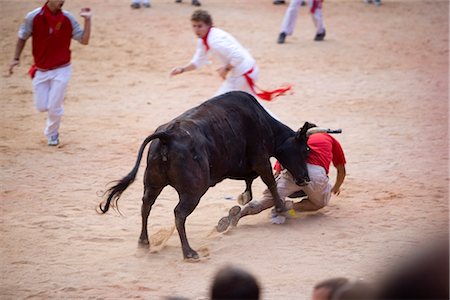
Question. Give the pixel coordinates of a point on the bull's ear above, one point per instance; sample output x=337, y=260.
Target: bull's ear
x=301, y=133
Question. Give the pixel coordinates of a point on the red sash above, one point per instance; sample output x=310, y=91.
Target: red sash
x=265, y=95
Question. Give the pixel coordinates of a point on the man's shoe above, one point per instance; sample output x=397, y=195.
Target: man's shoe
x=303, y=3
x=278, y=2
x=135, y=5
x=178, y=1
x=147, y=5
x=53, y=140
x=281, y=38
x=196, y=3
x=368, y=1
x=320, y=36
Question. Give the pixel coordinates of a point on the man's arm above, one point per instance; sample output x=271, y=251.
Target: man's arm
x=340, y=176
x=86, y=14
x=179, y=70
x=19, y=48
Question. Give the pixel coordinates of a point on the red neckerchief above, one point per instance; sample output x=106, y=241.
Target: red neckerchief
x=54, y=20
x=265, y=95
x=205, y=39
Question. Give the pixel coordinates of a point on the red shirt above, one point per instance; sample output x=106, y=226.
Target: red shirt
x=324, y=150
x=52, y=35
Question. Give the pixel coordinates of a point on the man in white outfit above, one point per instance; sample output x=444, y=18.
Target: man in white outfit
x=238, y=68
x=52, y=30
x=290, y=18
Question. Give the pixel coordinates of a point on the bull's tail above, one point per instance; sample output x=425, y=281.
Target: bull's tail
x=116, y=191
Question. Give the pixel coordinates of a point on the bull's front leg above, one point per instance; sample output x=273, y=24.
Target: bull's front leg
x=267, y=177
x=246, y=196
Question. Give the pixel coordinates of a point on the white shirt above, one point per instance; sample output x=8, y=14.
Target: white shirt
x=227, y=49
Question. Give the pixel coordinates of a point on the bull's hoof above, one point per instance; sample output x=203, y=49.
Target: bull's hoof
x=191, y=255
x=143, y=243
x=244, y=198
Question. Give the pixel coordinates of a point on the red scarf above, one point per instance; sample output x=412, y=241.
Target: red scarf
x=54, y=20
x=265, y=95
x=205, y=39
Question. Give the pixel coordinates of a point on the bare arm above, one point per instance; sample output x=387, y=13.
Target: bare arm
x=86, y=14
x=19, y=48
x=179, y=70
x=340, y=176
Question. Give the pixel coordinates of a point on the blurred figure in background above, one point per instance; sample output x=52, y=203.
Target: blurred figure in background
x=377, y=2
x=290, y=18
x=234, y=283
x=137, y=4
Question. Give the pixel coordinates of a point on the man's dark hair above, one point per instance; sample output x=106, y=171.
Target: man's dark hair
x=234, y=283
x=201, y=15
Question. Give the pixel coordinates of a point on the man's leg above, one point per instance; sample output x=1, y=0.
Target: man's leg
x=56, y=100
x=285, y=186
x=41, y=89
x=290, y=17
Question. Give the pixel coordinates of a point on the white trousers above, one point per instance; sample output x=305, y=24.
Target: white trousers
x=318, y=189
x=290, y=17
x=49, y=88
x=239, y=83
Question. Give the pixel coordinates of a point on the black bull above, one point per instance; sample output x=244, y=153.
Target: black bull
x=229, y=136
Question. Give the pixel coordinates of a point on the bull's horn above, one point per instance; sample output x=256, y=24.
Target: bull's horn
x=322, y=130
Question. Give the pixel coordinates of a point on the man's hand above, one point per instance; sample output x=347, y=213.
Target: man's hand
x=336, y=191
x=86, y=13
x=176, y=71
x=14, y=63
x=223, y=71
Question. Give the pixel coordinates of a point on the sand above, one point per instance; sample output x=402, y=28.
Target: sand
x=381, y=75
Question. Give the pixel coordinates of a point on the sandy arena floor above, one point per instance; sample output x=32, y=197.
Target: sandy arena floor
x=381, y=75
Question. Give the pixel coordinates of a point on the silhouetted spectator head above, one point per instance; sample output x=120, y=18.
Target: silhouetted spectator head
x=325, y=290
x=234, y=283
x=424, y=276
x=357, y=290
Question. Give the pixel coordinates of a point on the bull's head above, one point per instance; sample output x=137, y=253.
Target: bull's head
x=293, y=154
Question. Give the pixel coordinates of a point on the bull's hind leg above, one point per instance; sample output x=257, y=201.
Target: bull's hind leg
x=184, y=208
x=150, y=195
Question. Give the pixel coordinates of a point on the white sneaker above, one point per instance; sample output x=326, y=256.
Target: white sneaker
x=53, y=140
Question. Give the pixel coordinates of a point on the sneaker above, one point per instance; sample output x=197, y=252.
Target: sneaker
x=281, y=38
x=377, y=2
x=53, y=140
x=368, y=1
x=147, y=5
x=303, y=3
x=135, y=5
x=232, y=219
x=196, y=3
x=278, y=2
x=320, y=36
